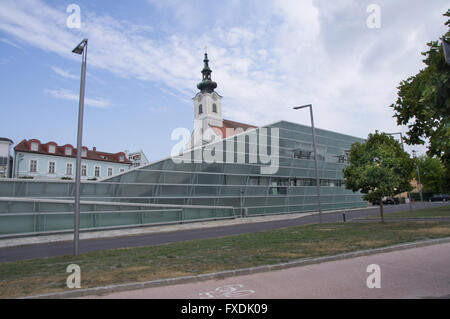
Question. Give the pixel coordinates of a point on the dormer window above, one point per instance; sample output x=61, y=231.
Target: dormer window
x=34, y=146
x=84, y=152
x=121, y=158
x=214, y=108
x=200, y=109
x=68, y=150
x=51, y=148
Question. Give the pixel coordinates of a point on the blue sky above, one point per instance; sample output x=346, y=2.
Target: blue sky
x=145, y=58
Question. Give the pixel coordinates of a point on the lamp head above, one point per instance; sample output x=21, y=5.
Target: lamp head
x=80, y=47
x=302, y=107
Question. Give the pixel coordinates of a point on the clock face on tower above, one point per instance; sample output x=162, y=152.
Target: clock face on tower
x=199, y=98
x=214, y=96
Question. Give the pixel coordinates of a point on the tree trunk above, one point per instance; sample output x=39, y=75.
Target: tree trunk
x=381, y=211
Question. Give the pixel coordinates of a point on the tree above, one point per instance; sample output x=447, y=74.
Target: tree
x=378, y=168
x=431, y=174
x=424, y=103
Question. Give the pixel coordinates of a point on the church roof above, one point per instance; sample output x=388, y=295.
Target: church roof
x=227, y=124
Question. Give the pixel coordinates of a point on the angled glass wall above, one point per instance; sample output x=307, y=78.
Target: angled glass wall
x=268, y=170
x=241, y=183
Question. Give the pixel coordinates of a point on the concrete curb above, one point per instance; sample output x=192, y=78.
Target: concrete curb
x=232, y=273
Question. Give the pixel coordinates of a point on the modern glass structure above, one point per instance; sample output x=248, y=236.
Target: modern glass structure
x=255, y=171
x=172, y=191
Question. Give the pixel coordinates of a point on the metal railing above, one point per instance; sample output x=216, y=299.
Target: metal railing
x=33, y=216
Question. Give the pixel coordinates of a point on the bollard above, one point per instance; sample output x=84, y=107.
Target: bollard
x=344, y=217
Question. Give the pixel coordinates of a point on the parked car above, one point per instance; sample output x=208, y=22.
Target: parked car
x=439, y=198
x=388, y=201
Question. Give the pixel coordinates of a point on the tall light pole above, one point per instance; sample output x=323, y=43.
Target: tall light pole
x=418, y=176
x=81, y=48
x=403, y=147
x=315, y=157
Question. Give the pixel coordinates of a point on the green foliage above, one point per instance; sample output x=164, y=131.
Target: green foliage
x=424, y=103
x=432, y=174
x=379, y=167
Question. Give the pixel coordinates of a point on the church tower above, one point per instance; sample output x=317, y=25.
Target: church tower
x=207, y=103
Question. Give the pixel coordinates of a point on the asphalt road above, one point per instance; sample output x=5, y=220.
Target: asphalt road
x=88, y=245
x=422, y=272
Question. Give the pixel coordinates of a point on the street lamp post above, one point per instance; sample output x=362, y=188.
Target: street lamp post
x=315, y=158
x=82, y=50
x=403, y=147
x=418, y=177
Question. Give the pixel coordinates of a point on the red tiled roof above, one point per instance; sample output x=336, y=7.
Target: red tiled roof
x=222, y=131
x=25, y=146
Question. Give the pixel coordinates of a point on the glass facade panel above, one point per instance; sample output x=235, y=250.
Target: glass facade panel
x=236, y=185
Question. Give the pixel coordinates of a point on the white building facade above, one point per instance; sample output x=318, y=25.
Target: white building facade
x=5, y=157
x=35, y=160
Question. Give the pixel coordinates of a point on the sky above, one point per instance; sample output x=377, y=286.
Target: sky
x=145, y=59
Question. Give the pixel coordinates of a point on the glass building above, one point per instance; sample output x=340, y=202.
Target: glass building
x=172, y=191
x=258, y=171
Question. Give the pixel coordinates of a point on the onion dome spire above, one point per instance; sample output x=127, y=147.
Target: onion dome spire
x=206, y=85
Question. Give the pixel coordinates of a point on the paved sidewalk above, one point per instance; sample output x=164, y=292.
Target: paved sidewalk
x=422, y=272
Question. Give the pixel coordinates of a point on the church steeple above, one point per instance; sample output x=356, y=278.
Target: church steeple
x=207, y=107
x=206, y=85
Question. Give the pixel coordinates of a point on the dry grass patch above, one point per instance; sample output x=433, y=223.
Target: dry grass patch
x=209, y=255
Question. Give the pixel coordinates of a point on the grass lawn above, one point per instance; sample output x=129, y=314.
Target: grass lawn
x=438, y=211
x=46, y=275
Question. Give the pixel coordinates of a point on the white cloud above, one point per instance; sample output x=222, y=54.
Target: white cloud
x=11, y=43
x=70, y=96
x=64, y=73
x=299, y=52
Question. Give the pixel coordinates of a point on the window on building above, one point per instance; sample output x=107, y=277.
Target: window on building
x=110, y=171
x=34, y=146
x=83, y=153
x=253, y=180
x=83, y=170
x=51, y=148
x=97, y=171
x=200, y=109
x=214, y=108
x=69, y=169
x=279, y=186
x=51, y=167
x=122, y=170
x=303, y=154
x=33, y=166
x=121, y=158
x=68, y=150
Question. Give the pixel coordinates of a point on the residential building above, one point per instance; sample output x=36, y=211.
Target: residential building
x=5, y=157
x=137, y=159
x=37, y=160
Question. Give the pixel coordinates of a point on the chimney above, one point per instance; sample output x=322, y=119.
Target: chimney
x=94, y=149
